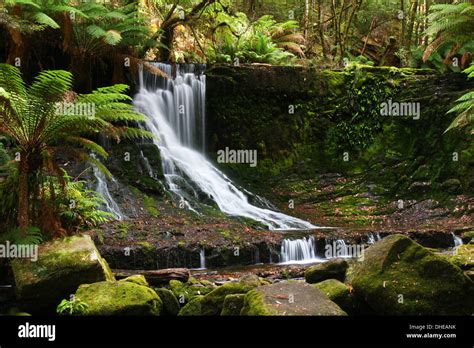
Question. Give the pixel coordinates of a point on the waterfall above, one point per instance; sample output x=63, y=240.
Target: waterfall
x=103, y=189
x=457, y=240
x=373, y=237
x=147, y=165
x=202, y=258
x=176, y=115
x=301, y=250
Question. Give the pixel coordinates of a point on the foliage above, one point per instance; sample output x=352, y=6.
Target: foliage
x=43, y=125
x=464, y=107
x=71, y=307
x=32, y=235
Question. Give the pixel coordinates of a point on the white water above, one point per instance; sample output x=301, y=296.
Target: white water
x=147, y=165
x=457, y=240
x=103, y=189
x=372, y=238
x=299, y=251
x=202, y=259
x=176, y=115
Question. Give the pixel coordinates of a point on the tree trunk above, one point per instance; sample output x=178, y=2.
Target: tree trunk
x=320, y=27
x=411, y=23
x=23, y=194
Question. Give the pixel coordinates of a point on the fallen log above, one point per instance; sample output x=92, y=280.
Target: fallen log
x=155, y=277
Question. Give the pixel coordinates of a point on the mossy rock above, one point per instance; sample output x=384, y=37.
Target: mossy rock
x=137, y=279
x=192, y=308
x=341, y=294
x=170, y=302
x=468, y=236
x=333, y=269
x=253, y=280
x=233, y=304
x=464, y=256
x=400, y=277
x=289, y=298
x=452, y=186
x=191, y=288
x=213, y=302
x=62, y=265
x=118, y=298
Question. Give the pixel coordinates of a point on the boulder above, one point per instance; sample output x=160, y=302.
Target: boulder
x=342, y=295
x=233, y=304
x=193, y=307
x=213, y=302
x=452, y=186
x=289, y=298
x=333, y=269
x=170, y=303
x=400, y=277
x=191, y=288
x=62, y=266
x=118, y=298
x=464, y=256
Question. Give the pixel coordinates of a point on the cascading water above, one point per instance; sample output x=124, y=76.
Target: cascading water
x=103, y=189
x=176, y=115
x=202, y=259
x=457, y=240
x=373, y=237
x=299, y=251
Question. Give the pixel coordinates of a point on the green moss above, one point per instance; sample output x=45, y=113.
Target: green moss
x=190, y=289
x=192, y=308
x=213, y=302
x=137, y=279
x=400, y=277
x=233, y=304
x=62, y=265
x=254, y=304
x=170, y=303
x=464, y=256
x=150, y=206
x=118, y=298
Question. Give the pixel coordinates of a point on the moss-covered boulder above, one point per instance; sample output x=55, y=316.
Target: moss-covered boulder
x=170, y=303
x=118, y=298
x=400, y=277
x=289, y=298
x=213, y=302
x=468, y=236
x=193, y=287
x=62, y=266
x=333, y=269
x=342, y=295
x=233, y=304
x=137, y=279
x=192, y=308
x=464, y=256
x=253, y=280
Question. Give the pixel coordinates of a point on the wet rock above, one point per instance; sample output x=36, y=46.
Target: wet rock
x=333, y=269
x=289, y=298
x=400, y=277
x=118, y=298
x=62, y=266
x=233, y=304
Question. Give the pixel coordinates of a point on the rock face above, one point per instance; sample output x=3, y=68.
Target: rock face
x=400, y=277
x=191, y=288
x=289, y=298
x=122, y=297
x=333, y=269
x=61, y=267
